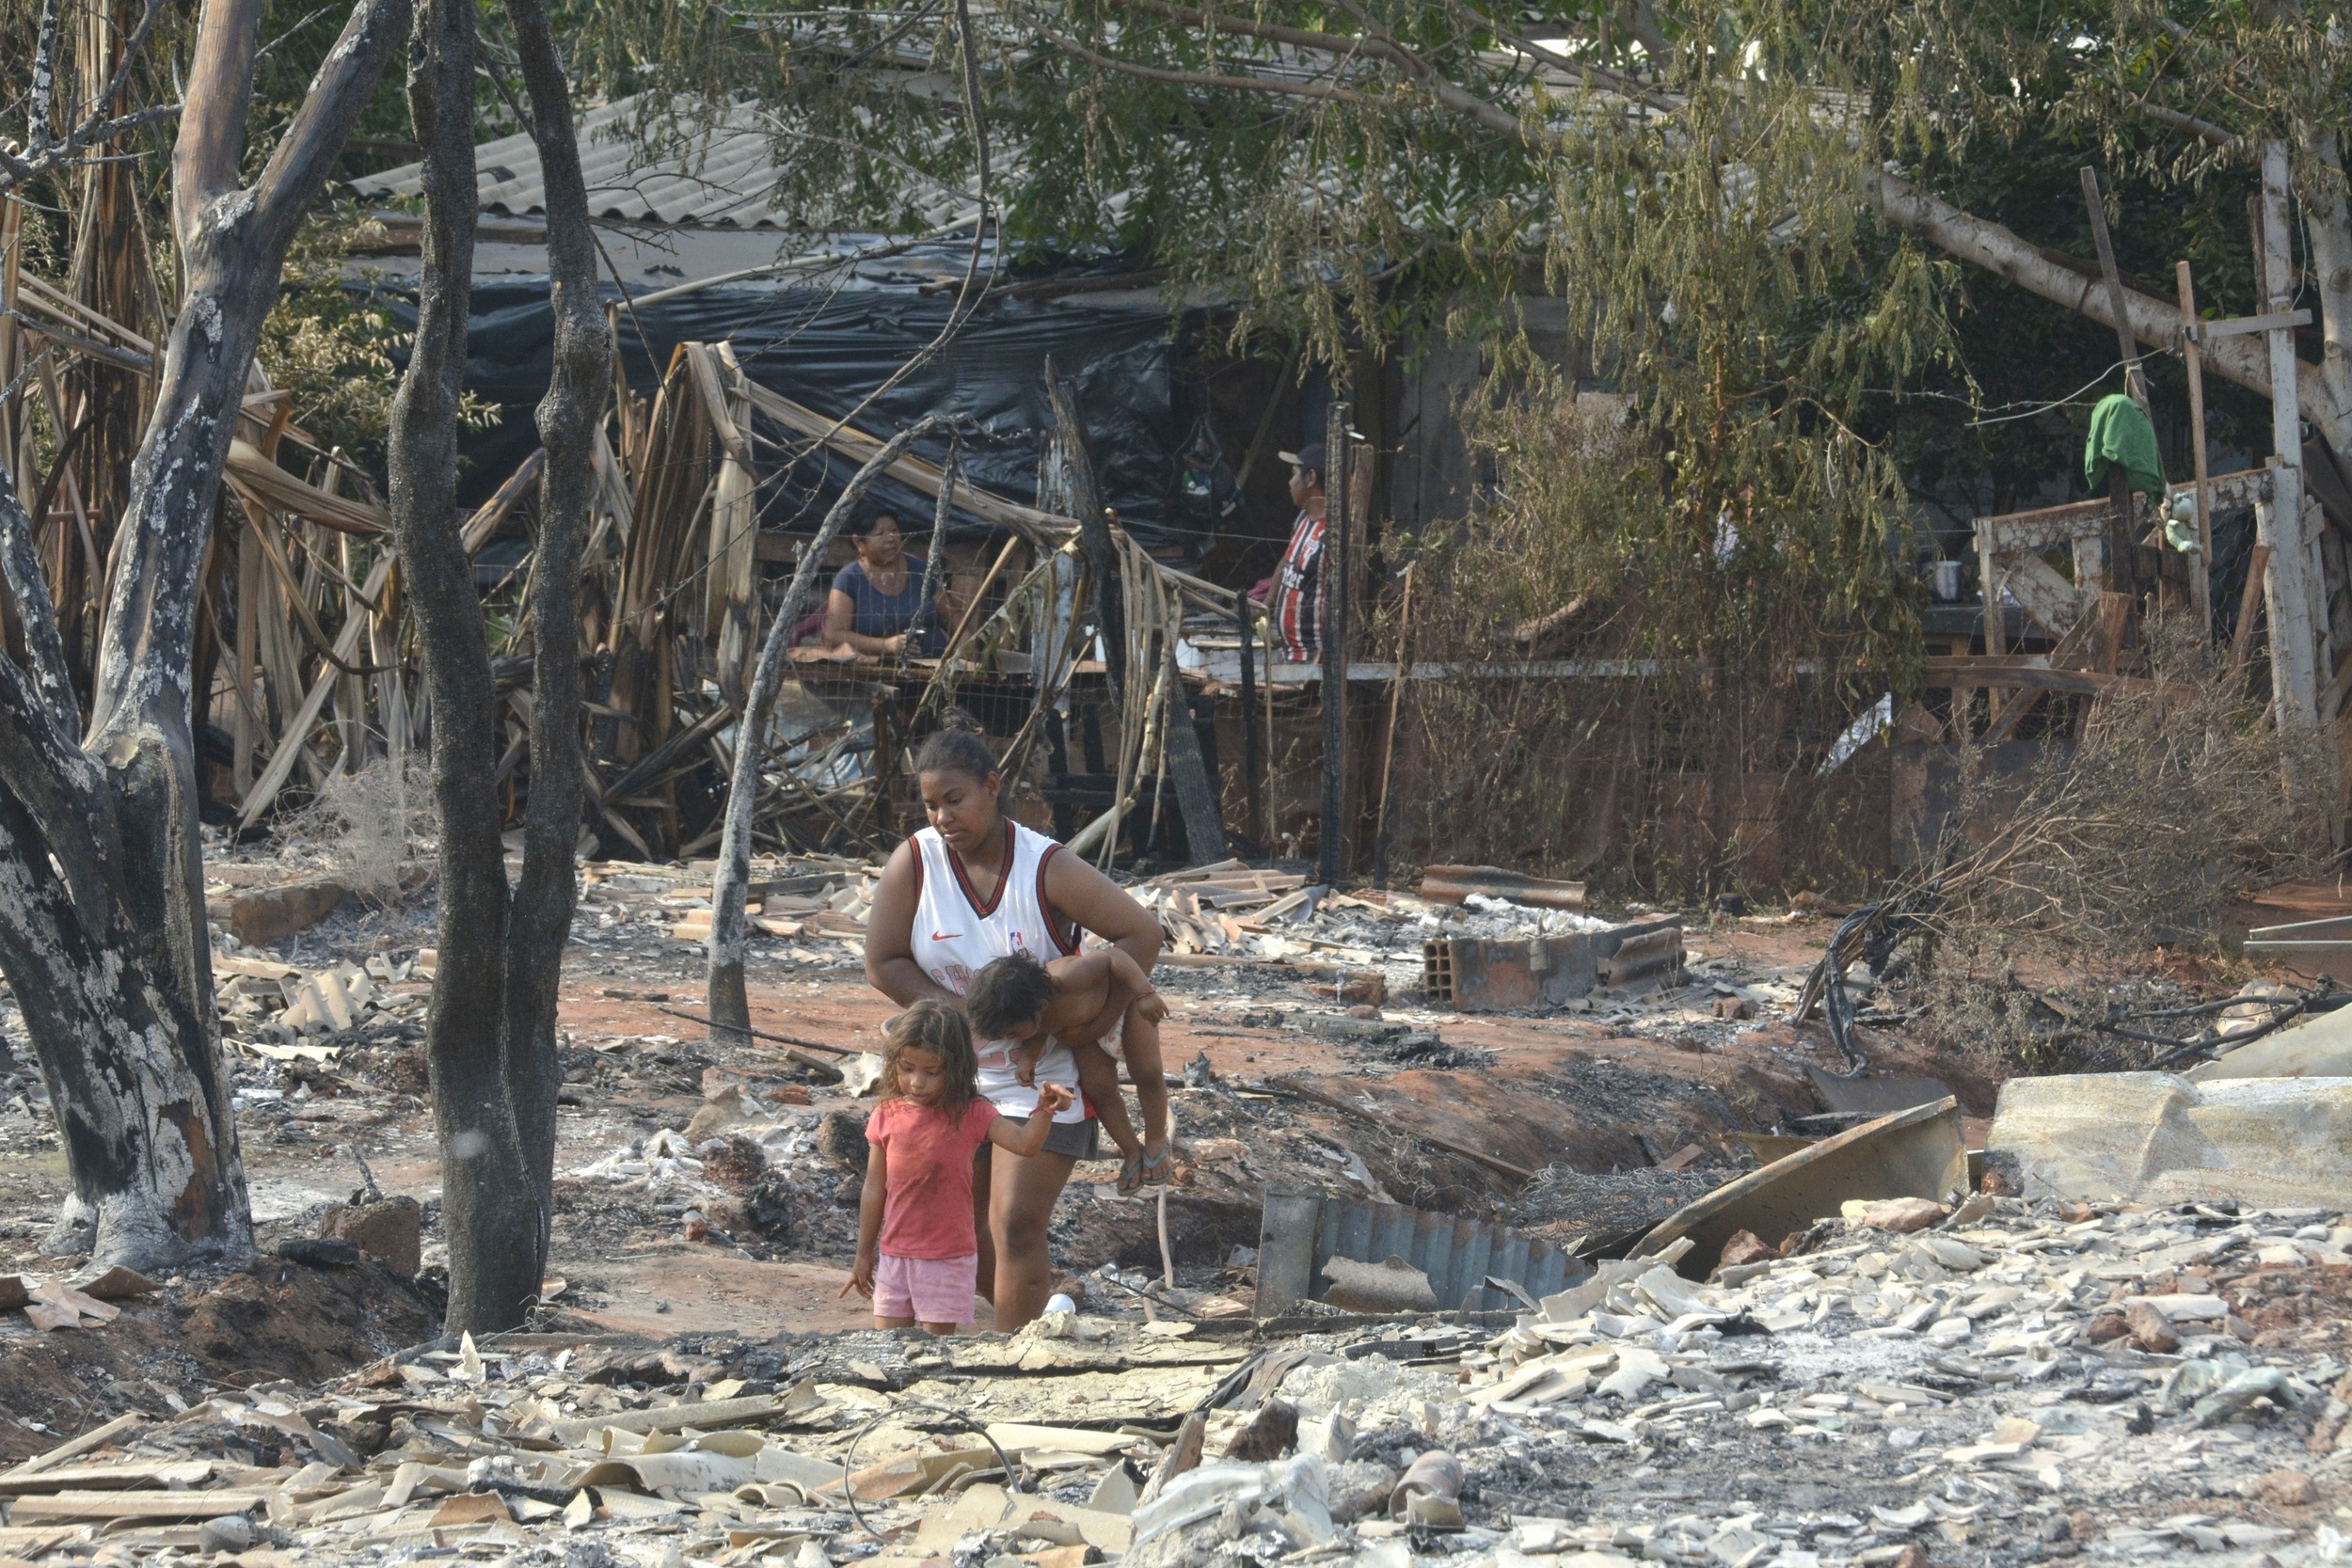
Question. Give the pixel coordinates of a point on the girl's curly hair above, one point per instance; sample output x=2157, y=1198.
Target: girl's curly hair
x=936, y=1026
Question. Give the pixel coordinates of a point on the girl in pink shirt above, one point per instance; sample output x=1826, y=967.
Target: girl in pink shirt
x=917, y=1254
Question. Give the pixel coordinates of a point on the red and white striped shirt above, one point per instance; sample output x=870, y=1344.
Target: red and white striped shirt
x=1299, y=592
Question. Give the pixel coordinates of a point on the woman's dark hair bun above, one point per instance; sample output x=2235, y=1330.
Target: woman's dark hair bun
x=956, y=751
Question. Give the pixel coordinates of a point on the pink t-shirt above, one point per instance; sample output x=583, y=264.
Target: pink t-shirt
x=926, y=1207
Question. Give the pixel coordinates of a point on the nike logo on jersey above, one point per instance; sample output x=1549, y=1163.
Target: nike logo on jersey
x=946, y=936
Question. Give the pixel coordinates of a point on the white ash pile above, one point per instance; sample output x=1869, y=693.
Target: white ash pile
x=1369, y=945
x=1893, y=1395
x=740, y=1171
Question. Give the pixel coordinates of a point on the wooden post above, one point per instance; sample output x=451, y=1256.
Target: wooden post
x=2122, y=572
x=1252, y=754
x=2135, y=382
x=2242, y=640
x=2123, y=551
x=1333, y=847
x=2201, y=578
x=1996, y=629
x=2293, y=674
x=1196, y=793
x=1388, y=736
x=11, y=350
x=1265, y=718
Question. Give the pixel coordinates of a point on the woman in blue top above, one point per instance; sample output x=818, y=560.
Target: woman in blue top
x=877, y=600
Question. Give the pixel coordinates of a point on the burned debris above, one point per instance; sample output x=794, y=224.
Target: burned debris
x=2024, y=1378
x=1720, y=963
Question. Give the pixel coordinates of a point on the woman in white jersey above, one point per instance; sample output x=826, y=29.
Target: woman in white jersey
x=972, y=887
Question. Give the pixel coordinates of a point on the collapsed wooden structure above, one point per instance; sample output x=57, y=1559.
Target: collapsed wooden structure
x=305, y=663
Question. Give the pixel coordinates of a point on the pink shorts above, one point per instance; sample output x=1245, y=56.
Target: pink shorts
x=928, y=1290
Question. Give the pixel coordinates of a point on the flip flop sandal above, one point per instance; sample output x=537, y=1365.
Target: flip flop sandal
x=1131, y=1176
x=1156, y=1167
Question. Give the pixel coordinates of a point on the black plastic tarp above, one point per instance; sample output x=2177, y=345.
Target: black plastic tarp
x=826, y=349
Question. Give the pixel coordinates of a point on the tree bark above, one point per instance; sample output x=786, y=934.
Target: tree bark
x=490, y=1034
x=102, y=908
x=724, y=999
x=568, y=417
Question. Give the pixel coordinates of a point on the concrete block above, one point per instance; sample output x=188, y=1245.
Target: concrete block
x=392, y=1232
x=1486, y=975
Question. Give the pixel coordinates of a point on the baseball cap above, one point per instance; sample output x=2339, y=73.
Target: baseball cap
x=1309, y=457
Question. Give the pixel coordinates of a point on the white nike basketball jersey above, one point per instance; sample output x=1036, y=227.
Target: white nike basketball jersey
x=956, y=935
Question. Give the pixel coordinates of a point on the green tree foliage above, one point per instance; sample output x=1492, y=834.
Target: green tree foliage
x=1359, y=174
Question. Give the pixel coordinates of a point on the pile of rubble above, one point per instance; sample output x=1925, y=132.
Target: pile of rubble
x=282, y=1012
x=809, y=910
x=2007, y=1381
x=1248, y=915
x=795, y=898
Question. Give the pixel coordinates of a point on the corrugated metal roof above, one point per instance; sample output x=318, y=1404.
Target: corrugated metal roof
x=722, y=178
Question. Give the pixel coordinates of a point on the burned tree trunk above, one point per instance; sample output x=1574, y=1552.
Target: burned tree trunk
x=728, y=1004
x=568, y=418
x=490, y=1035
x=102, y=902
x=110, y=962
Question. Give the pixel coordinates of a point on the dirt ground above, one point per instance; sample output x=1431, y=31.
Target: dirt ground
x=755, y=1243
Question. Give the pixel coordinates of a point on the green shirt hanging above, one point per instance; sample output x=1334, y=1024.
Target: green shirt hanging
x=2121, y=437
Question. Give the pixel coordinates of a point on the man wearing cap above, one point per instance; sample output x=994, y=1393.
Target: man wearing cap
x=1296, y=602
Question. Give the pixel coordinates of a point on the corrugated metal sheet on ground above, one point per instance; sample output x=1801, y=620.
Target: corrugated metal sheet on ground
x=1457, y=1254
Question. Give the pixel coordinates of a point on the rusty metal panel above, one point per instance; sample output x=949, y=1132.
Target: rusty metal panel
x=1914, y=1153
x=1301, y=1232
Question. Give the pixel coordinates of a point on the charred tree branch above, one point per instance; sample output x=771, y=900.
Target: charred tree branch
x=726, y=1000
x=233, y=247
x=1326, y=91
x=2205, y=130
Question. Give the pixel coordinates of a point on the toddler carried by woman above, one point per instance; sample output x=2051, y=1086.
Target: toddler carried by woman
x=918, y=1252
x=1100, y=1006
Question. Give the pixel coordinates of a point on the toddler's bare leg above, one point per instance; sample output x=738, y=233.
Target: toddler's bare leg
x=1098, y=1075
x=1139, y=1042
